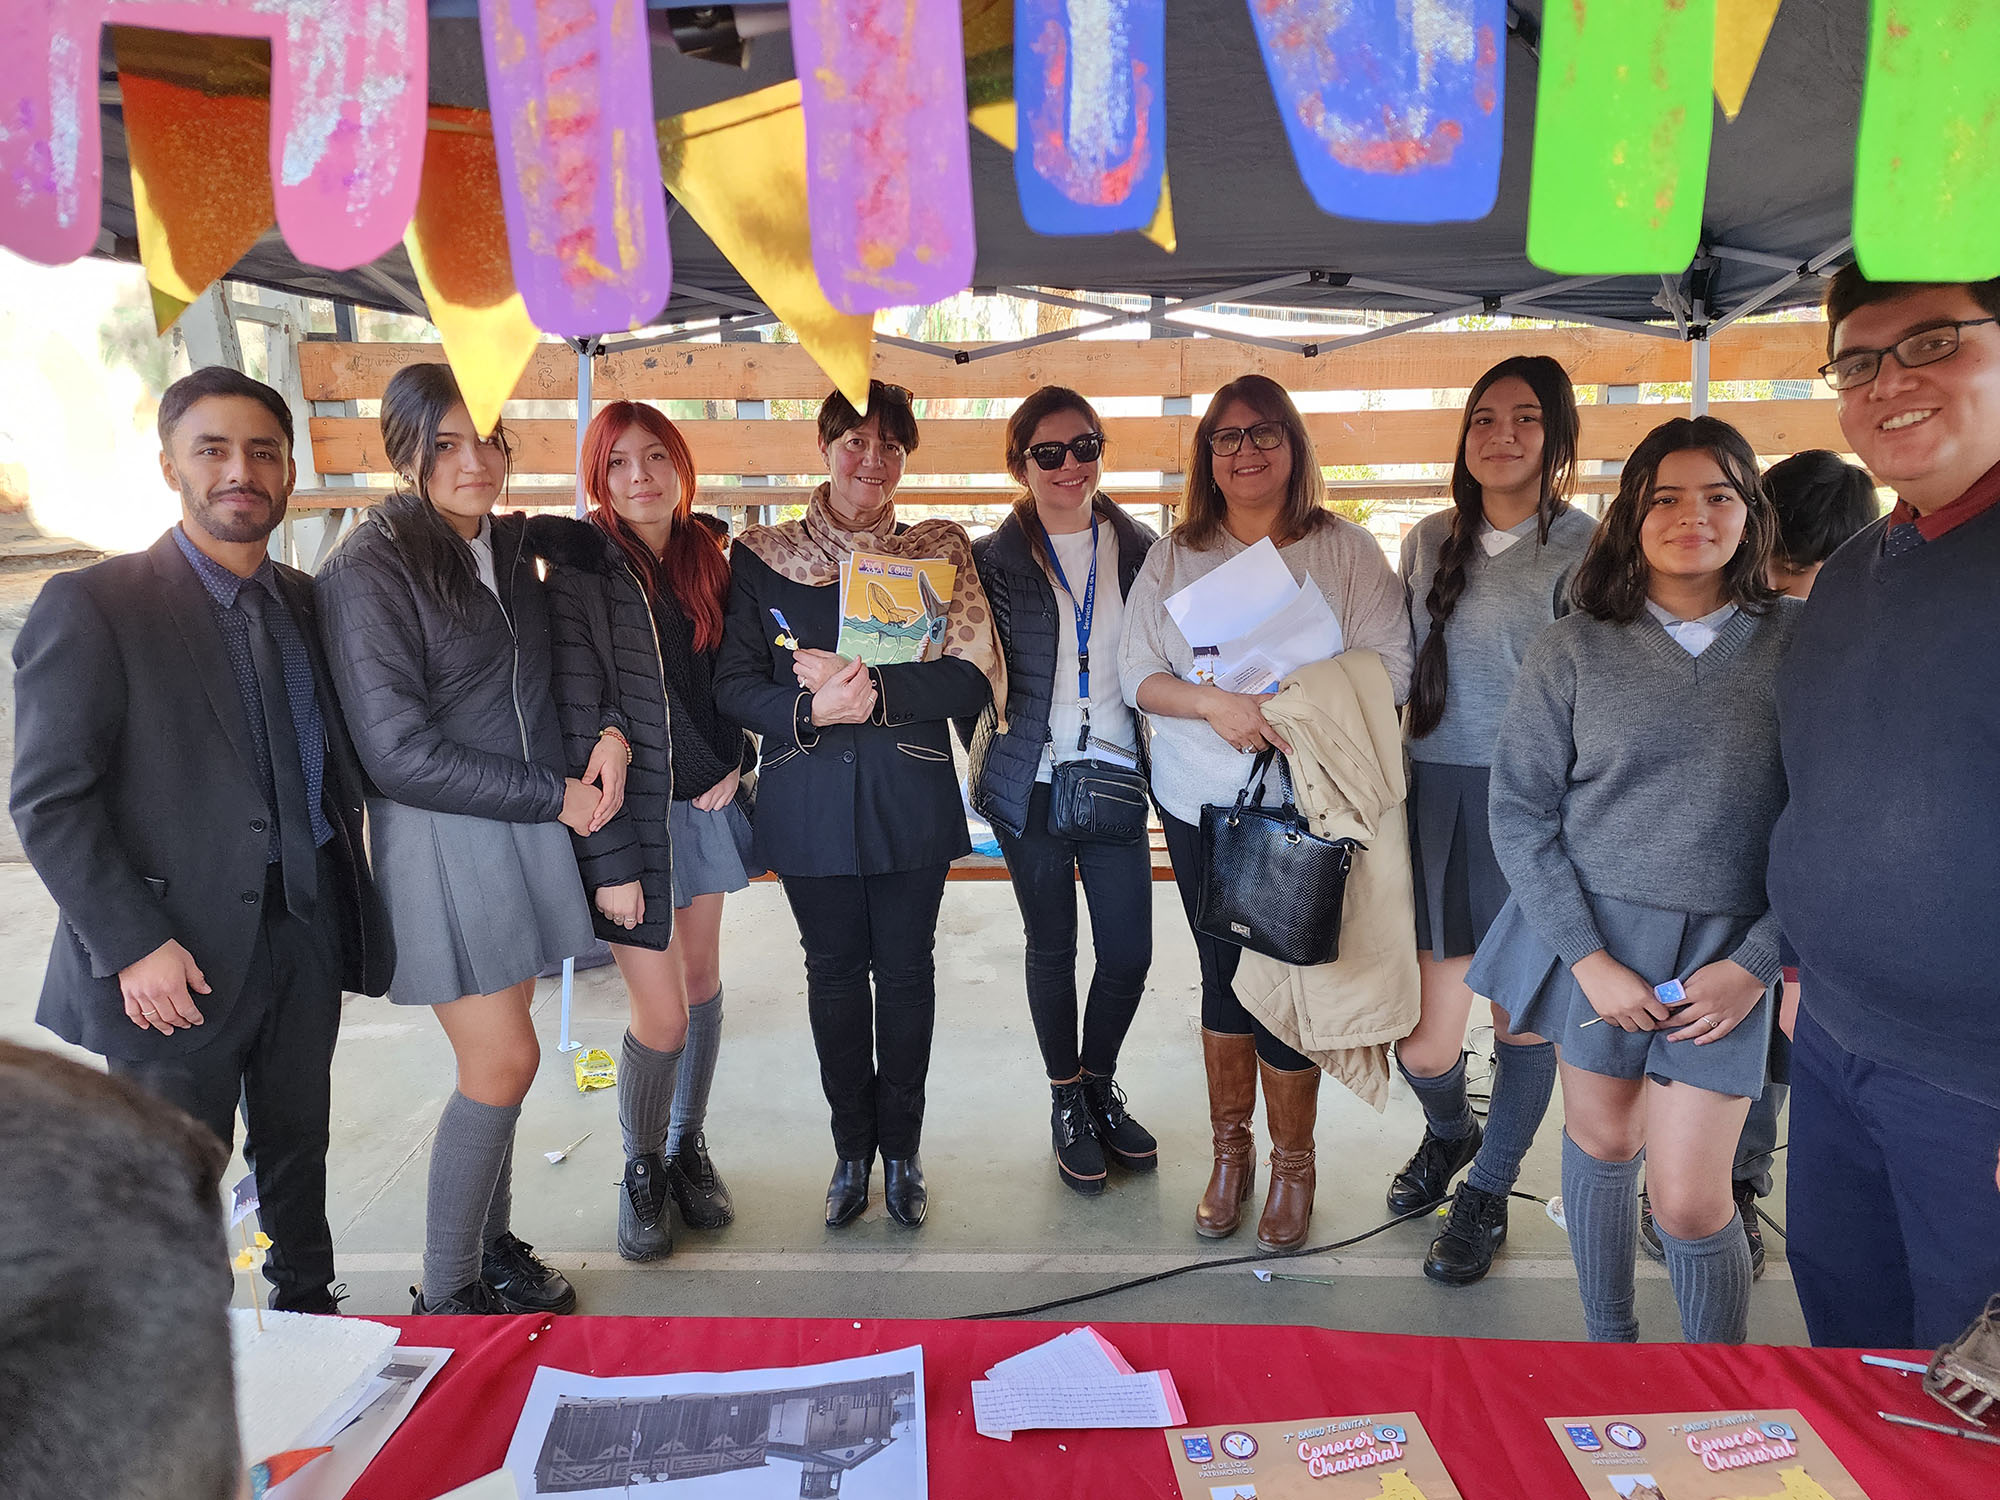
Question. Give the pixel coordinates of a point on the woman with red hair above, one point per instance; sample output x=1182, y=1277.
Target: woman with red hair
x=636, y=616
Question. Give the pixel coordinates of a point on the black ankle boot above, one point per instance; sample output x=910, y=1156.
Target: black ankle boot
x=1126, y=1141
x=1475, y=1228
x=847, y=1194
x=903, y=1189
x=1426, y=1177
x=1079, y=1157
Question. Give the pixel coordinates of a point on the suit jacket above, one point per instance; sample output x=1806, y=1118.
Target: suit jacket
x=138, y=799
x=843, y=799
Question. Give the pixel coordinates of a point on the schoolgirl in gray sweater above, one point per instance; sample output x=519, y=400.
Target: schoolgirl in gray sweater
x=1634, y=787
x=1481, y=580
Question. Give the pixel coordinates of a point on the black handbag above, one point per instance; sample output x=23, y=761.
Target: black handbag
x=1268, y=883
x=1098, y=801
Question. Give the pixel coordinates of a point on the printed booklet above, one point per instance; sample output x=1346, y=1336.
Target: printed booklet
x=1703, y=1455
x=892, y=609
x=1387, y=1457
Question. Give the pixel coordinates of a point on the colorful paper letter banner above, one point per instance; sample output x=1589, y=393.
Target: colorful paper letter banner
x=1089, y=90
x=458, y=248
x=1927, y=166
x=1622, y=124
x=571, y=85
x=1741, y=29
x=347, y=116
x=890, y=190
x=1395, y=111
x=739, y=169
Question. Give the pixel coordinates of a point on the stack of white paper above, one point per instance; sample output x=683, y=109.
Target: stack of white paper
x=1077, y=1380
x=298, y=1374
x=1251, y=625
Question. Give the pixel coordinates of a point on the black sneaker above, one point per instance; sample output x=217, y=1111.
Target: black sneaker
x=1649, y=1232
x=477, y=1298
x=1475, y=1228
x=1079, y=1155
x=1123, y=1138
x=645, y=1228
x=1426, y=1177
x=521, y=1282
x=698, y=1189
x=1746, y=1206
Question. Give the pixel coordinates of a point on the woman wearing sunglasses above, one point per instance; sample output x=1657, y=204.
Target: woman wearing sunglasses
x=1056, y=572
x=1252, y=475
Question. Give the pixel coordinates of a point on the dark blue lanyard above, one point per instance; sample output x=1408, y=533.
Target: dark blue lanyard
x=1083, y=611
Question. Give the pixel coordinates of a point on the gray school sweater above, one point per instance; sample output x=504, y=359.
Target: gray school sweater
x=1508, y=601
x=1628, y=768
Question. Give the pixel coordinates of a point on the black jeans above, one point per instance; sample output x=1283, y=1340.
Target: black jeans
x=874, y=1049
x=1118, y=884
x=273, y=1058
x=1220, y=1009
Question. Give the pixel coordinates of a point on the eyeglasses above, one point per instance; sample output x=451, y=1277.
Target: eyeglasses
x=1088, y=449
x=1857, y=367
x=1264, y=437
x=895, y=392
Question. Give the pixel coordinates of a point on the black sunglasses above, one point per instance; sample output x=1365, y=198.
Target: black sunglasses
x=1088, y=449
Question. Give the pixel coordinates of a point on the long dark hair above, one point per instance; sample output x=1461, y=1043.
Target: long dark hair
x=414, y=406
x=1202, y=505
x=1550, y=383
x=1612, y=579
x=1029, y=415
x=693, y=569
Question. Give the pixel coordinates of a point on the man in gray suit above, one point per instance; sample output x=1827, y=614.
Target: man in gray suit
x=185, y=788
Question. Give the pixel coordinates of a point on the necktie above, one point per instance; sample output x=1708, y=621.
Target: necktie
x=1903, y=537
x=295, y=836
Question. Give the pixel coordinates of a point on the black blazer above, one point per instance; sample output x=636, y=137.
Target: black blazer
x=138, y=800
x=846, y=799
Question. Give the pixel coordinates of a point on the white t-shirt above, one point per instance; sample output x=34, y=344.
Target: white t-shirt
x=1112, y=725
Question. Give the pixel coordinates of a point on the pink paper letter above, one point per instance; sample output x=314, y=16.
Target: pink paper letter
x=347, y=117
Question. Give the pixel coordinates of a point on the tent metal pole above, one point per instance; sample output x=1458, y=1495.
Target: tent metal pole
x=567, y=1043
x=1754, y=257
x=1672, y=292
x=1554, y=288
x=684, y=335
x=1390, y=330
x=1699, y=402
x=1783, y=284
x=918, y=346
x=1398, y=289
x=1616, y=325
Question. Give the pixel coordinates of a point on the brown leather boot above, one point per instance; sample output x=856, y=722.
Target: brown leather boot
x=1232, y=1093
x=1291, y=1109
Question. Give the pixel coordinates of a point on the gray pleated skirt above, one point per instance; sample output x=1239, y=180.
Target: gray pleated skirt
x=475, y=905
x=711, y=851
x=1527, y=979
x=1458, y=884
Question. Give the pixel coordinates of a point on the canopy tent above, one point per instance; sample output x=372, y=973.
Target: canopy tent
x=1777, y=206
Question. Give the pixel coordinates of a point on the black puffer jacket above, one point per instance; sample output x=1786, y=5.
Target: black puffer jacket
x=446, y=714
x=1003, y=766
x=615, y=663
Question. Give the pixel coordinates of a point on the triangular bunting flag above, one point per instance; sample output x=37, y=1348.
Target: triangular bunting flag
x=1741, y=29
x=457, y=242
x=739, y=168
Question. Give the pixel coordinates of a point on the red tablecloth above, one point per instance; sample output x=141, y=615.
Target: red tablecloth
x=1482, y=1400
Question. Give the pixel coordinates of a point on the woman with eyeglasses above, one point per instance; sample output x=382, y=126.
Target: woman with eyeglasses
x=858, y=807
x=437, y=635
x=1483, y=579
x=1252, y=476
x=1057, y=571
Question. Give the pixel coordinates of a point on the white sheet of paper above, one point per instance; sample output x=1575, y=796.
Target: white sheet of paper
x=1148, y=1399
x=1235, y=598
x=805, y=1414
x=1304, y=630
x=1080, y=1354
x=499, y=1485
x=297, y=1372
x=404, y=1375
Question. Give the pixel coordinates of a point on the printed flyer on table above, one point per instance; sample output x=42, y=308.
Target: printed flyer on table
x=1712, y=1455
x=1387, y=1457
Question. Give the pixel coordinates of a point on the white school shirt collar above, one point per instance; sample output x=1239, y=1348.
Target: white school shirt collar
x=1693, y=636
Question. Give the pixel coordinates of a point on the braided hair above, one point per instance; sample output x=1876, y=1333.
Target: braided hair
x=1550, y=383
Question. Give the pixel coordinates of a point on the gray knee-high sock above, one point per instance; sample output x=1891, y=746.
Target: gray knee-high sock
x=704, y=1045
x=1523, y=1080
x=645, y=1095
x=1447, y=1112
x=500, y=1207
x=1601, y=1208
x=473, y=1144
x=1711, y=1283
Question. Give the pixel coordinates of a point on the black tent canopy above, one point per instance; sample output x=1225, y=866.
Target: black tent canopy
x=1777, y=208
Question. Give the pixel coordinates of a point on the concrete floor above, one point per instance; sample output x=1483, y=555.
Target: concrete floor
x=1003, y=1232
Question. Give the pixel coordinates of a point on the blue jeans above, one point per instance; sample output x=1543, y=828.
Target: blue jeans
x=1892, y=1217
